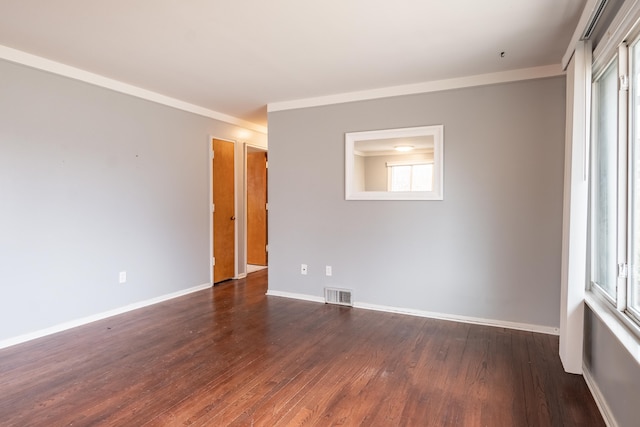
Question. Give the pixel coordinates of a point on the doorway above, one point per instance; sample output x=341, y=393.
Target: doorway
x=257, y=209
x=223, y=209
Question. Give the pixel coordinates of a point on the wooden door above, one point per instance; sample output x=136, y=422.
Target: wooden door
x=257, y=208
x=223, y=210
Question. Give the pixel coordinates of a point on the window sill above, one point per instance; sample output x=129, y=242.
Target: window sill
x=627, y=332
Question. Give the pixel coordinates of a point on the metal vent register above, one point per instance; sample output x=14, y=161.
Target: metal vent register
x=338, y=296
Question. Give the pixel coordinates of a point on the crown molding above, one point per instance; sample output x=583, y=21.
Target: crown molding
x=33, y=61
x=425, y=87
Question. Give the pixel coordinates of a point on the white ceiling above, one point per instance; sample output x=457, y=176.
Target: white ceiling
x=236, y=56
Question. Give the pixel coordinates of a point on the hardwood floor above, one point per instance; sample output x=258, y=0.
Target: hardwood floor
x=232, y=356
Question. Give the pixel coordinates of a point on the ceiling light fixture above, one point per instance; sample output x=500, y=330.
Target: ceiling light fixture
x=404, y=147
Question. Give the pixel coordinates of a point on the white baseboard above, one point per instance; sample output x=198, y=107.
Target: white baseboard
x=421, y=313
x=607, y=415
x=463, y=319
x=93, y=318
x=295, y=296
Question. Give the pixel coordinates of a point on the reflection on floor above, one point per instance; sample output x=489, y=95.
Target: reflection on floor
x=251, y=268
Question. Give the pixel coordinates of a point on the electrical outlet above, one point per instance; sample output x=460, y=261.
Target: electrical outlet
x=123, y=277
x=327, y=270
x=303, y=269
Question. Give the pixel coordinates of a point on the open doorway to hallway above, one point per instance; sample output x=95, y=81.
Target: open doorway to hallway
x=257, y=209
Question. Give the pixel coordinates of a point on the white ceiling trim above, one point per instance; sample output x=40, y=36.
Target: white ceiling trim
x=23, y=58
x=425, y=87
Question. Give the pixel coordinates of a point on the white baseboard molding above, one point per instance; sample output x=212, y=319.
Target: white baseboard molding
x=463, y=319
x=295, y=296
x=421, y=313
x=607, y=415
x=93, y=318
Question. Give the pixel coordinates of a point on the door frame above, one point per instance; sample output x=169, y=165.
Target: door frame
x=235, y=205
x=246, y=226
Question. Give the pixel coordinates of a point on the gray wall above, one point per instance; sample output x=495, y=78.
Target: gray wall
x=613, y=369
x=93, y=182
x=490, y=250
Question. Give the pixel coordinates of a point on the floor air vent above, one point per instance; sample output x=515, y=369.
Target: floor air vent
x=338, y=296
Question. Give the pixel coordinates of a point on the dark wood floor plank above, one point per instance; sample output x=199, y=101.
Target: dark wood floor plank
x=231, y=356
x=312, y=362
x=229, y=396
x=256, y=389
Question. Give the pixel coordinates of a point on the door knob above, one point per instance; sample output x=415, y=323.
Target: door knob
x=233, y=218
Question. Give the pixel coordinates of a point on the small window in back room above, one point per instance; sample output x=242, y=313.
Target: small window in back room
x=410, y=176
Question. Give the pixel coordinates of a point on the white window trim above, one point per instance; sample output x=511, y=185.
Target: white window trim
x=576, y=207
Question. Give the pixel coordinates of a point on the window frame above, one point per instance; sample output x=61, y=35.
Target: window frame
x=412, y=163
x=633, y=134
x=618, y=306
x=596, y=81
